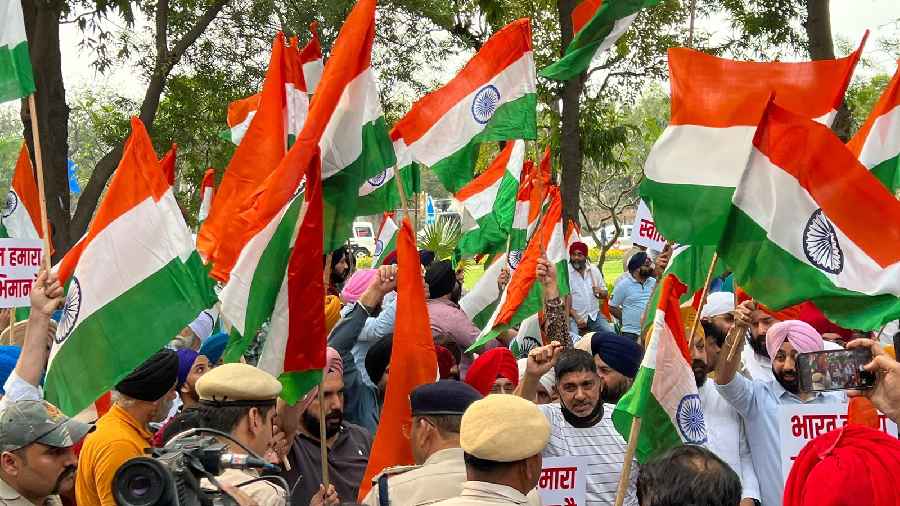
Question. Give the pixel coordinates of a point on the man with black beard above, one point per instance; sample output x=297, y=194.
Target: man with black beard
x=758, y=401
x=727, y=437
x=348, y=444
x=755, y=360
x=631, y=294
x=581, y=424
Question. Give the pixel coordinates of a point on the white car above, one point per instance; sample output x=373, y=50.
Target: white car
x=362, y=242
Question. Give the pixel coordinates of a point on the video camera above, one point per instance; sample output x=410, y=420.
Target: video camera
x=171, y=475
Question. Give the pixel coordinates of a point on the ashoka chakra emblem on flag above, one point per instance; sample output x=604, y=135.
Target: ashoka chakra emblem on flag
x=70, y=311
x=379, y=247
x=378, y=180
x=820, y=244
x=514, y=258
x=486, y=101
x=10, y=204
x=689, y=419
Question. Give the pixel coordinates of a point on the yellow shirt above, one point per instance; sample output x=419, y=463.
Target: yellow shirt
x=117, y=439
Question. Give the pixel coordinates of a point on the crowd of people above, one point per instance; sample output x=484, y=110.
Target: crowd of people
x=478, y=433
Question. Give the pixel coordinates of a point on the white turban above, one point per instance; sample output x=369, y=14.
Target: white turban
x=718, y=303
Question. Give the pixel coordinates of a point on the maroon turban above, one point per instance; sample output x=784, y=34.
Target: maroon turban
x=579, y=247
x=853, y=465
x=494, y=363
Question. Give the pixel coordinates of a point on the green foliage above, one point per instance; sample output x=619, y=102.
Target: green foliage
x=364, y=262
x=862, y=97
x=441, y=237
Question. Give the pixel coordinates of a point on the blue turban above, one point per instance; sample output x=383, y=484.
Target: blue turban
x=620, y=353
x=9, y=355
x=214, y=347
x=186, y=359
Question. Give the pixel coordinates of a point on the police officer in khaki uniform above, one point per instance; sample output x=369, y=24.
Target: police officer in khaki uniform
x=37, y=461
x=437, y=410
x=239, y=399
x=502, y=437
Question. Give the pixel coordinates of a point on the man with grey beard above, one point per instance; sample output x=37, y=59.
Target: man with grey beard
x=144, y=396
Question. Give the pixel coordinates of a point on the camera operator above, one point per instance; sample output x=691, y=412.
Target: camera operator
x=239, y=399
x=37, y=460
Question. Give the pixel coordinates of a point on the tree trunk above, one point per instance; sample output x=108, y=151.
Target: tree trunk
x=42, y=29
x=821, y=47
x=570, y=134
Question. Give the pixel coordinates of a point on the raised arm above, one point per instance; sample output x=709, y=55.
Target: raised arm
x=46, y=297
x=540, y=361
x=734, y=343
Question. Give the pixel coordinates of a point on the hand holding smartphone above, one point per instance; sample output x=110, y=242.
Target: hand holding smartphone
x=822, y=371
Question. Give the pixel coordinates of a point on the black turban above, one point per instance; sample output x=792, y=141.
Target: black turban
x=153, y=379
x=441, y=279
x=378, y=358
x=637, y=260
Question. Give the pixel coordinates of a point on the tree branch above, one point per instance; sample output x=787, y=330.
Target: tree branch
x=162, y=30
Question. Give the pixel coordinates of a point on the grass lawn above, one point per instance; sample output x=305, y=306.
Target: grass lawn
x=612, y=269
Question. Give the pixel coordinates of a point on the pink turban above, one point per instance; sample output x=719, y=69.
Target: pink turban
x=800, y=334
x=333, y=365
x=356, y=285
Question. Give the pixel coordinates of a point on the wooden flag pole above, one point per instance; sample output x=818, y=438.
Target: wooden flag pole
x=402, y=191
x=624, y=479
x=323, y=440
x=703, y=294
x=38, y=160
x=12, y=324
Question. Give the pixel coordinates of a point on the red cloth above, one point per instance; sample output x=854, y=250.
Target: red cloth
x=813, y=316
x=850, y=466
x=445, y=361
x=490, y=365
x=788, y=313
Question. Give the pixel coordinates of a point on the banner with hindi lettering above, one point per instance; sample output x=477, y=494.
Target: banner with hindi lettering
x=20, y=260
x=798, y=424
x=644, y=232
x=563, y=482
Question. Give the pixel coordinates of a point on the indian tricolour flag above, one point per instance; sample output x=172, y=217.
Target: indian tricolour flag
x=522, y=296
x=664, y=394
x=278, y=118
x=386, y=240
x=112, y=273
x=493, y=98
x=809, y=222
x=16, y=79
x=356, y=145
x=877, y=143
x=207, y=190
x=696, y=163
x=481, y=301
x=596, y=25
x=530, y=198
x=22, y=209
x=379, y=193
x=311, y=59
x=282, y=230
x=489, y=203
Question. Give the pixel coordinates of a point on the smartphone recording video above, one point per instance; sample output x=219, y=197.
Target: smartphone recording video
x=821, y=371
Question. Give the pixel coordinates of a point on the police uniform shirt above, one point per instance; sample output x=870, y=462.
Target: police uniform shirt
x=10, y=497
x=480, y=493
x=440, y=477
x=263, y=492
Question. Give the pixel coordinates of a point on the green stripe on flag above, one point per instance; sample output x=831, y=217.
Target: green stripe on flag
x=888, y=172
x=110, y=356
x=341, y=191
x=778, y=279
x=512, y=120
x=707, y=206
x=588, y=40
x=492, y=234
x=387, y=198
x=295, y=384
x=16, y=79
x=267, y=280
x=657, y=432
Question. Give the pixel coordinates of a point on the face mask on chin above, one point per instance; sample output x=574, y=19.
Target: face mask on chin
x=583, y=422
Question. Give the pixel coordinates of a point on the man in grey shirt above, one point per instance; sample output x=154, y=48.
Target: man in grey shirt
x=758, y=401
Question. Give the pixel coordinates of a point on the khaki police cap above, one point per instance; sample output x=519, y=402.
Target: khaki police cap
x=238, y=384
x=503, y=428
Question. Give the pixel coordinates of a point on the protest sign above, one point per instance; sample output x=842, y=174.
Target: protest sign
x=20, y=260
x=800, y=423
x=644, y=232
x=562, y=481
